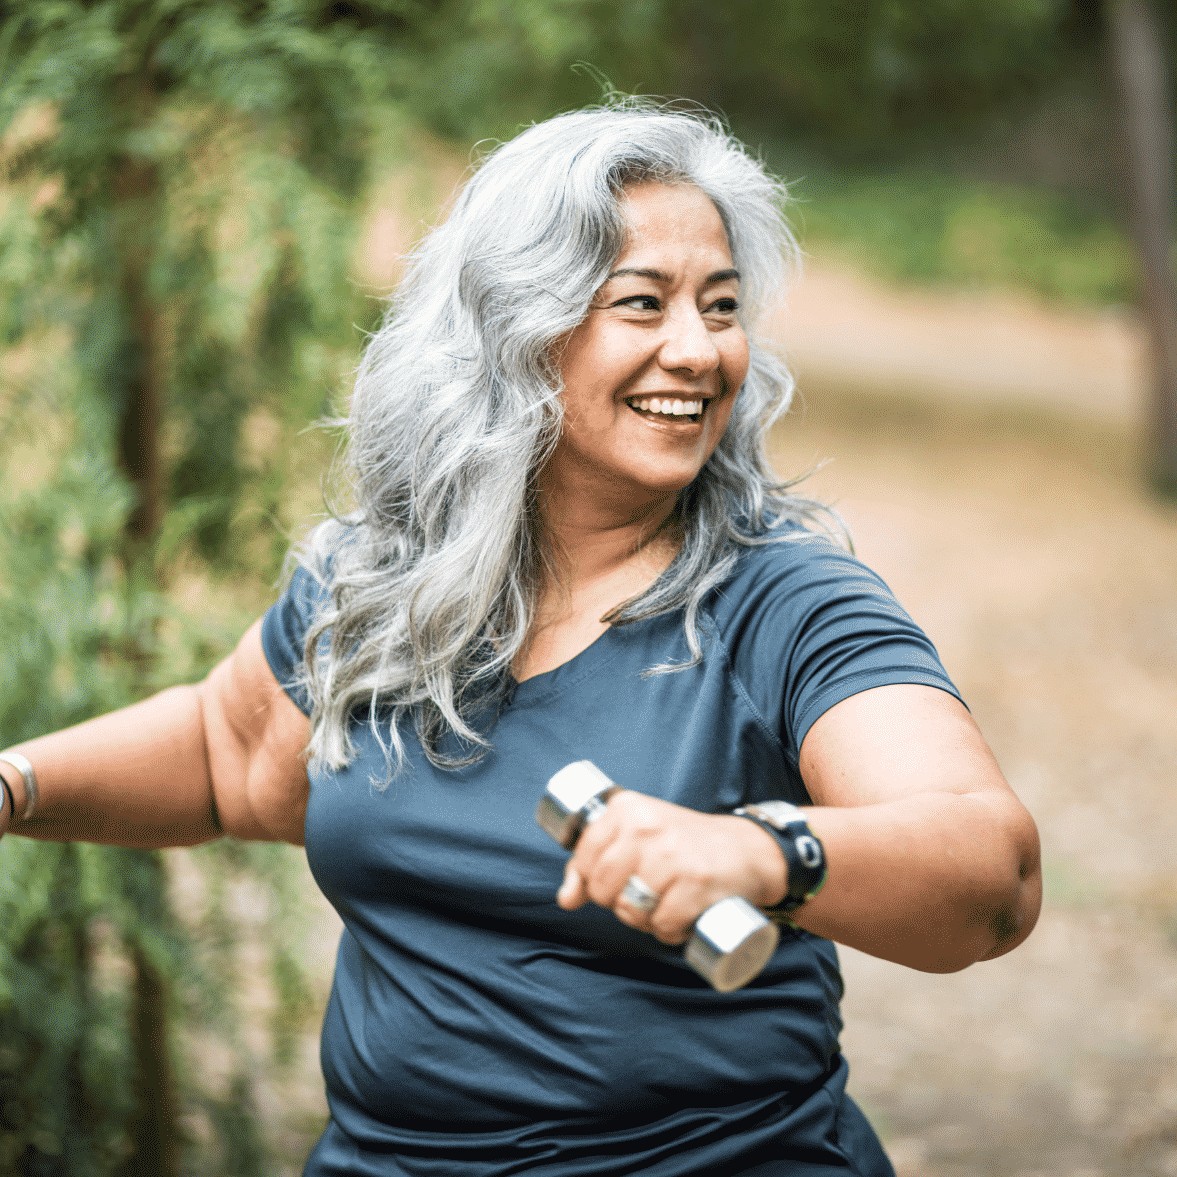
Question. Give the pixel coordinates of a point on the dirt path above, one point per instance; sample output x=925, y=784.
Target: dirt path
x=990, y=348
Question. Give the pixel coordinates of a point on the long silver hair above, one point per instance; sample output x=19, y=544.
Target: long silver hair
x=434, y=575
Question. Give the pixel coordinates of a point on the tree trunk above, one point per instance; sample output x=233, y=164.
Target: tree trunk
x=153, y=1126
x=136, y=190
x=136, y=196
x=1138, y=57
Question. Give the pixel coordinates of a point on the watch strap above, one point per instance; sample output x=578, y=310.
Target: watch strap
x=805, y=857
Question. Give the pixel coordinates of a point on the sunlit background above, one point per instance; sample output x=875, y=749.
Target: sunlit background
x=202, y=206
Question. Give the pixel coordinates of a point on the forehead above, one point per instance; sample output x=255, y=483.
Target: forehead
x=672, y=219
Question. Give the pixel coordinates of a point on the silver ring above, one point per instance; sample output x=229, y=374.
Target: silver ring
x=640, y=895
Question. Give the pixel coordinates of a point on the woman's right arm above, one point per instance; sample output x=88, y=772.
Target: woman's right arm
x=225, y=756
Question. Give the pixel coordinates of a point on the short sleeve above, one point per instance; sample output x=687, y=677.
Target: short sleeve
x=807, y=625
x=284, y=630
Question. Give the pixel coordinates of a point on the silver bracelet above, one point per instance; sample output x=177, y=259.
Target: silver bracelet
x=21, y=763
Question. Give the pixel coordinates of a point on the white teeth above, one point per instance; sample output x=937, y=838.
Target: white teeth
x=667, y=407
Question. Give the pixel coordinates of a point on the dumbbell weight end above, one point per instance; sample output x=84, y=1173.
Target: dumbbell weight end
x=731, y=943
x=575, y=796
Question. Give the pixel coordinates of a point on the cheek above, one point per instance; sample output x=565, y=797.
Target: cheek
x=587, y=409
x=720, y=421
x=735, y=370
x=586, y=369
x=736, y=364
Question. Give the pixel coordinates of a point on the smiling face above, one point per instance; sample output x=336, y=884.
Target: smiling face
x=652, y=372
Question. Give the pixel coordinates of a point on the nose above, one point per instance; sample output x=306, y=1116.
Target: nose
x=687, y=346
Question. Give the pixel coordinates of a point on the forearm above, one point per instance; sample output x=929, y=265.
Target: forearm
x=935, y=881
x=135, y=777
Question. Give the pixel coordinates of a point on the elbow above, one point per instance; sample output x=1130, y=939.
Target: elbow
x=1013, y=897
x=997, y=912
x=1012, y=920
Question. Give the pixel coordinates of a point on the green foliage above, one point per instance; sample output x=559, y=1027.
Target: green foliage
x=209, y=154
x=84, y=636
x=178, y=207
x=853, y=71
x=508, y=61
x=846, y=71
x=60, y=1039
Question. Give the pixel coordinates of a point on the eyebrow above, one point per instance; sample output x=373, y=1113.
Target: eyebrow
x=660, y=276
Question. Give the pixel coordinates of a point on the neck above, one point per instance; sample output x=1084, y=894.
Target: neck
x=591, y=539
x=604, y=551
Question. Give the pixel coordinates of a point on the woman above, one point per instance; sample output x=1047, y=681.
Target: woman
x=569, y=545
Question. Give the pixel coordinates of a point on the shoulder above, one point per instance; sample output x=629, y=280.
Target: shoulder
x=256, y=737
x=805, y=624
x=788, y=572
x=306, y=597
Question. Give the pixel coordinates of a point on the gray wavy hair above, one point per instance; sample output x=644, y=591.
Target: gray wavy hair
x=434, y=576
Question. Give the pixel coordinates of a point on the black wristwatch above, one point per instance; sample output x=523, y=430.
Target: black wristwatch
x=804, y=854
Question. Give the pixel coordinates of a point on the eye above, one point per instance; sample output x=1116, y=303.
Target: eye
x=640, y=302
x=723, y=306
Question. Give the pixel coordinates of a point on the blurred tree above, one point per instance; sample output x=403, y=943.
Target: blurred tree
x=852, y=72
x=1139, y=51
x=177, y=223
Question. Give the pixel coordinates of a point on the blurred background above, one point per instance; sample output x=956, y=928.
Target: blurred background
x=202, y=205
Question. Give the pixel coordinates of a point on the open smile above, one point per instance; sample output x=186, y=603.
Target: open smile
x=669, y=410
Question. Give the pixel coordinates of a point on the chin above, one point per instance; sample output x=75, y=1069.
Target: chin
x=663, y=481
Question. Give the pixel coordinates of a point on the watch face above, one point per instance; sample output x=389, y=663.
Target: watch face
x=776, y=813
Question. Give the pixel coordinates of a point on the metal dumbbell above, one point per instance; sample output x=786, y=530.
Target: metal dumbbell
x=730, y=942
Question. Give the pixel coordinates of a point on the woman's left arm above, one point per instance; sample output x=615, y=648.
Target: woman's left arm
x=933, y=861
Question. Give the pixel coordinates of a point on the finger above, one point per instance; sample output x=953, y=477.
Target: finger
x=632, y=917
x=607, y=848
x=611, y=871
x=673, y=920
x=571, y=894
x=637, y=902
x=594, y=839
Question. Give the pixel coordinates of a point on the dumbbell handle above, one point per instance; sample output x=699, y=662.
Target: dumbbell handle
x=731, y=941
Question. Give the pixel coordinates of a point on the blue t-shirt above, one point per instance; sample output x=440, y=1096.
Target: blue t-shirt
x=477, y=1030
